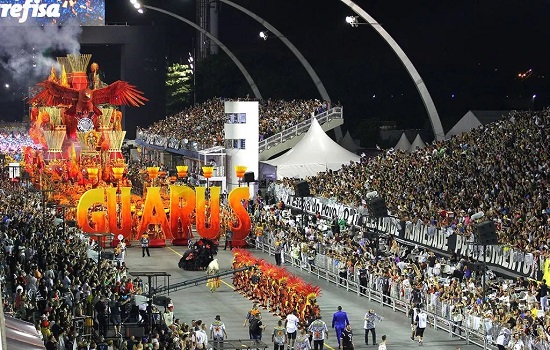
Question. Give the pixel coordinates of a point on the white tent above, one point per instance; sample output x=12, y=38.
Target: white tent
x=473, y=119
x=417, y=144
x=316, y=152
x=403, y=144
x=348, y=143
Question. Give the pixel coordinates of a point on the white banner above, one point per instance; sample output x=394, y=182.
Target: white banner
x=442, y=241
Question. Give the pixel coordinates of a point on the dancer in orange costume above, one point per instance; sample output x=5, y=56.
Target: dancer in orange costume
x=274, y=287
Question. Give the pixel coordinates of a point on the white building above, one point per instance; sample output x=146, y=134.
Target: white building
x=241, y=132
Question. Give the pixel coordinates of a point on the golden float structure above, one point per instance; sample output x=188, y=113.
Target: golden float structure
x=76, y=120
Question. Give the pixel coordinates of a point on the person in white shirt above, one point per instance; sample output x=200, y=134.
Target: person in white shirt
x=382, y=345
x=503, y=338
x=291, y=324
x=421, y=323
x=516, y=343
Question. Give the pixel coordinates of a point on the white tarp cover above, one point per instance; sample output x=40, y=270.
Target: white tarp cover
x=316, y=152
x=474, y=119
x=403, y=144
x=468, y=122
x=22, y=335
x=417, y=144
x=348, y=143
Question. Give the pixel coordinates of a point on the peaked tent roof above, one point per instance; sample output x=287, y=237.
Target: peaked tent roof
x=348, y=143
x=403, y=144
x=21, y=335
x=473, y=119
x=316, y=152
x=418, y=143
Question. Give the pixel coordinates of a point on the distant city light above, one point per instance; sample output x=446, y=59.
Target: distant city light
x=373, y=96
x=452, y=95
x=535, y=95
x=526, y=74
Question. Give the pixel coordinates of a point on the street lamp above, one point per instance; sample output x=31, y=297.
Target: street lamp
x=264, y=35
x=182, y=171
x=153, y=172
x=353, y=21
x=207, y=172
x=93, y=174
x=239, y=171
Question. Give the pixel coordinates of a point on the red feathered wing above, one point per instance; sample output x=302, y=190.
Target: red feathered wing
x=119, y=93
x=53, y=94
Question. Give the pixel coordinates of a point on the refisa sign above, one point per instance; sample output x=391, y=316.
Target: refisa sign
x=52, y=12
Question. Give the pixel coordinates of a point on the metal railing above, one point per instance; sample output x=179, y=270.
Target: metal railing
x=298, y=129
x=175, y=144
x=439, y=315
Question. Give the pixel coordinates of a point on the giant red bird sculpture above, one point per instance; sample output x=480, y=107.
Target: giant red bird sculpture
x=85, y=101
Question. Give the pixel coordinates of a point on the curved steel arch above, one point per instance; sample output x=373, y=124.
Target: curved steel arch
x=420, y=86
x=295, y=51
x=219, y=43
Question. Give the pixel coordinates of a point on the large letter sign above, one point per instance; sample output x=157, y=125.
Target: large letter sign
x=95, y=223
x=120, y=221
x=153, y=212
x=183, y=202
x=182, y=205
x=210, y=230
x=235, y=201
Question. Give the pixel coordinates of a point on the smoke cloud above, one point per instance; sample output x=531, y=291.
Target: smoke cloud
x=23, y=50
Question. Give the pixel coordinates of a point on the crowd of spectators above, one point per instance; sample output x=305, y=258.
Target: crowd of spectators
x=446, y=287
x=203, y=123
x=13, y=138
x=51, y=278
x=501, y=169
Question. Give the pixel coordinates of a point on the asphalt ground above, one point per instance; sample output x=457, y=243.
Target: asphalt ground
x=197, y=302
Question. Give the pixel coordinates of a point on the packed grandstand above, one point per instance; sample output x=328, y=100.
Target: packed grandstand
x=501, y=169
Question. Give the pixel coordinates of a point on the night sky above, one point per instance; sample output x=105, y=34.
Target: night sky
x=469, y=53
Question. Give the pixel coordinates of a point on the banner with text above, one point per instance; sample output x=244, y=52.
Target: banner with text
x=508, y=259
x=52, y=12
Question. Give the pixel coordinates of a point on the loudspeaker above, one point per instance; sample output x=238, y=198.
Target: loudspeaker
x=377, y=207
x=248, y=177
x=478, y=267
x=486, y=233
x=161, y=300
x=301, y=189
x=135, y=330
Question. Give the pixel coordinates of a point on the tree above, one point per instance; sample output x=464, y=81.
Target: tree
x=179, y=88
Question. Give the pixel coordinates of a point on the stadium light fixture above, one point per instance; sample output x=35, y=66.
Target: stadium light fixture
x=264, y=35
x=353, y=21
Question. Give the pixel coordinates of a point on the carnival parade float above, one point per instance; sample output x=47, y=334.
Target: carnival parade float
x=77, y=163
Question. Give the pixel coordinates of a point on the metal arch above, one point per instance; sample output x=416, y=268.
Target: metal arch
x=420, y=86
x=219, y=43
x=295, y=51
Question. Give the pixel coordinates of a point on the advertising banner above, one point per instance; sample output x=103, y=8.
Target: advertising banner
x=52, y=12
x=441, y=241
